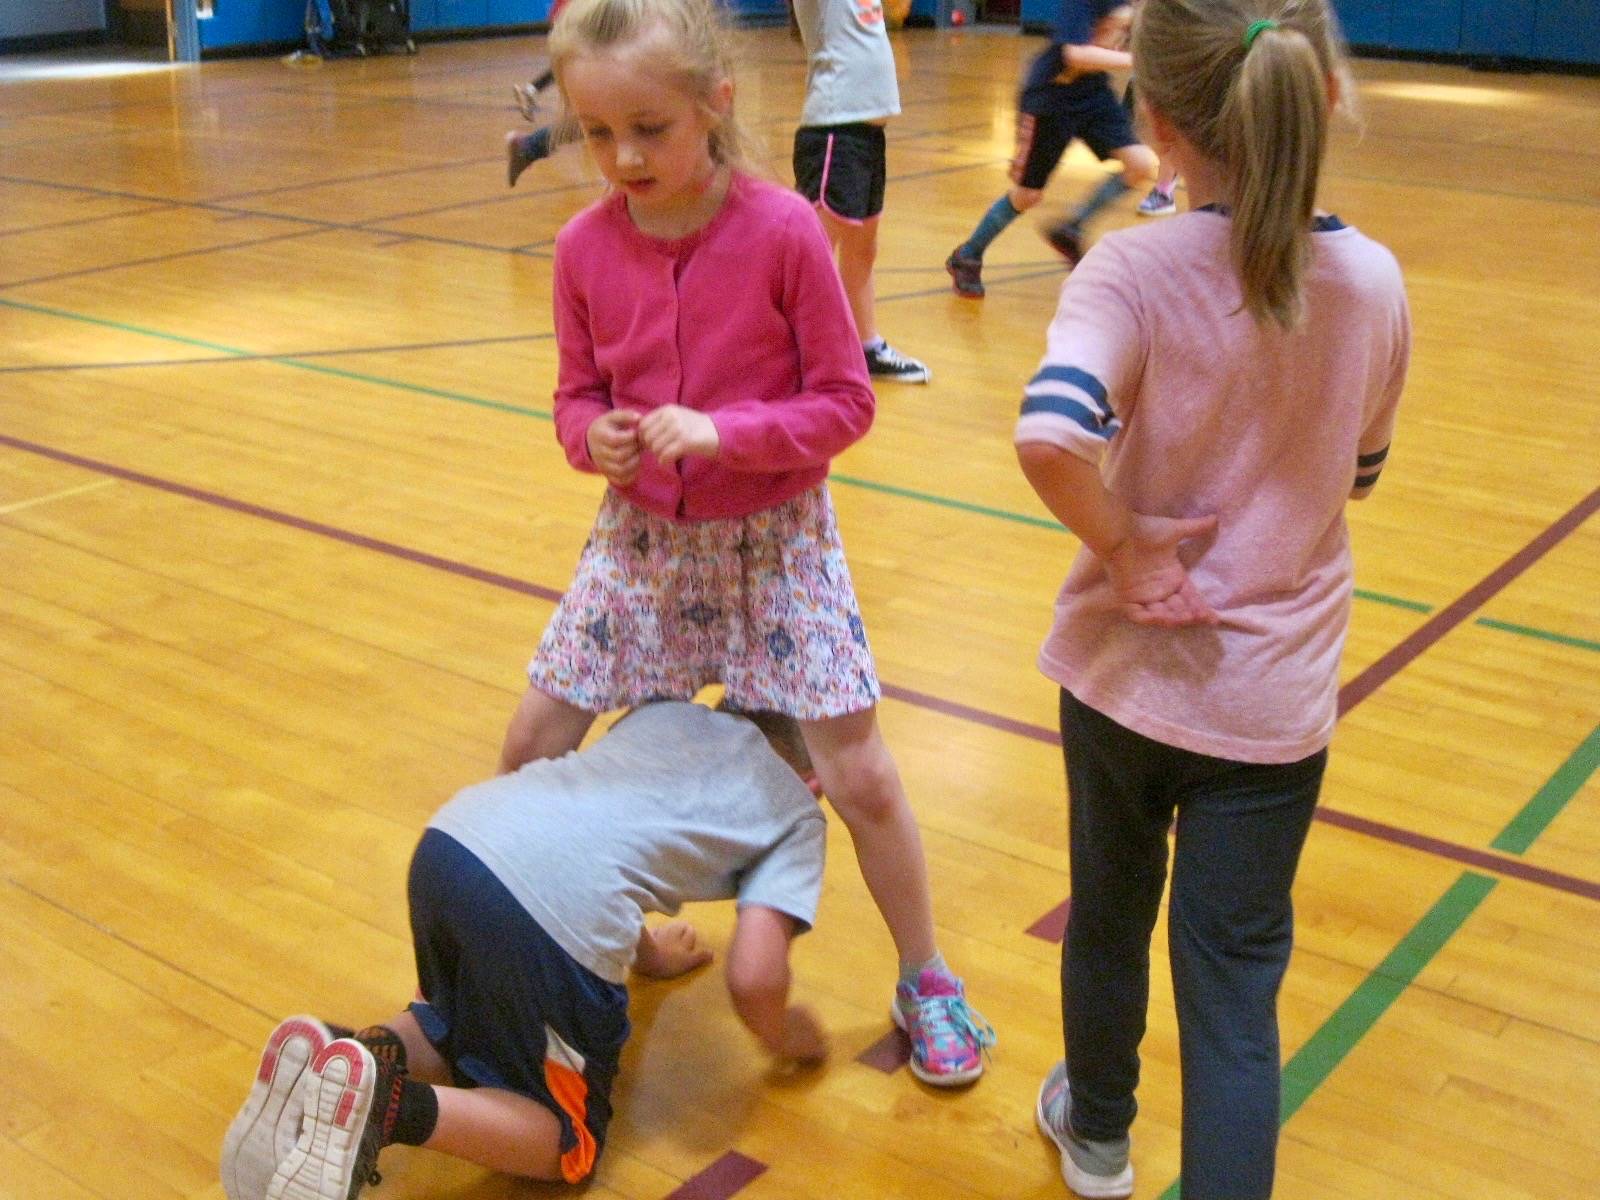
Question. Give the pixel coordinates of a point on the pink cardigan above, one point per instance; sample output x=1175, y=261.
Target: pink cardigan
x=745, y=320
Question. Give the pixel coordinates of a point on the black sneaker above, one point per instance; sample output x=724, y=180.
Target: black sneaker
x=348, y=1098
x=1066, y=239
x=966, y=274
x=885, y=362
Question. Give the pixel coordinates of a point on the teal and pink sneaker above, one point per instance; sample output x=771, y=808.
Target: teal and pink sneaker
x=949, y=1038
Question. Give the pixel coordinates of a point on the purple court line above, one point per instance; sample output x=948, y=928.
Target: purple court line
x=336, y=181
x=1038, y=733
x=1052, y=927
x=889, y=1053
x=165, y=206
x=162, y=258
x=1446, y=619
x=406, y=553
x=721, y=1179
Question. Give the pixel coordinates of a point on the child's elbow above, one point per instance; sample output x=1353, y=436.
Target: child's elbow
x=757, y=986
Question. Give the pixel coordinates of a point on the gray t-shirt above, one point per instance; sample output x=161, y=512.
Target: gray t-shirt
x=850, y=68
x=677, y=803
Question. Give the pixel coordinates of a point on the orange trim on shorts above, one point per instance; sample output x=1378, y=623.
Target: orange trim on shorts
x=571, y=1091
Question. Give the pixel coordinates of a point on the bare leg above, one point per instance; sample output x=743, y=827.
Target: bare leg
x=501, y=1130
x=862, y=783
x=542, y=727
x=423, y=1062
x=498, y=1129
x=857, y=248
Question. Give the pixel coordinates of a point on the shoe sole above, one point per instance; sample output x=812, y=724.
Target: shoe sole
x=908, y=377
x=268, y=1124
x=1092, y=1187
x=337, y=1099
x=1157, y=212
x=950, y=1079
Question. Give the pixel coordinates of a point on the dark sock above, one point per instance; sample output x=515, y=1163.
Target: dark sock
x=385, y=1045
x=1001, y=213
x=1109, y=191
x=410, y=1110
x=339, y=1031
x=536, y=145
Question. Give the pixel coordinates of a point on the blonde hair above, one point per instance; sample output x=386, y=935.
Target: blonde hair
x=1257, y=106
x=696, y=56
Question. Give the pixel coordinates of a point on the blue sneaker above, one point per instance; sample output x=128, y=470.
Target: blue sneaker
x=1092, y=1169
x=949, y=1038
x=1157, y=204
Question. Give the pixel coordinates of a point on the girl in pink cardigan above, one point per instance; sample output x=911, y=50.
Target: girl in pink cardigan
x=710, y=370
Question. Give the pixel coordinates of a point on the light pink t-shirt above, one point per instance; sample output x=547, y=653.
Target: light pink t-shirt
x=744, y=319
x=1190, y=407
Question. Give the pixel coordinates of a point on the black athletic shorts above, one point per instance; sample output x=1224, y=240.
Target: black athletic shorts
x=841, y=168
x=1044, y=133
x=505, y=1005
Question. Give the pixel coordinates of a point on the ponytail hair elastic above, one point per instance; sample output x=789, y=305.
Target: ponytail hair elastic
x=1254, y=31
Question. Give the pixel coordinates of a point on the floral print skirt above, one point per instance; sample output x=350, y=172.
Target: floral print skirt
x=762, y=604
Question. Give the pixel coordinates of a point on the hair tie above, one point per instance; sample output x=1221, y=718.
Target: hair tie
x=1254, y=31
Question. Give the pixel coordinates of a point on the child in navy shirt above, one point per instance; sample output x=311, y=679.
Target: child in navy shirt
x=1066, y=94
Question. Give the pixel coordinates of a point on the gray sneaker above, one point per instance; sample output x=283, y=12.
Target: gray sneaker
x=268, y=1124
x=1091, y=1169
x=348, y=1098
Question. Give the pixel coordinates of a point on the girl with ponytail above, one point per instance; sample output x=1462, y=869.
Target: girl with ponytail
x=1214, y=389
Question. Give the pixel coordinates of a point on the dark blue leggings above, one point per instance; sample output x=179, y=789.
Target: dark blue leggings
x=1240, y=827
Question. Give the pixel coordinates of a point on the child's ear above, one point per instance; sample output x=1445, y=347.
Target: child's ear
x=721, y=100
x=1162, y=131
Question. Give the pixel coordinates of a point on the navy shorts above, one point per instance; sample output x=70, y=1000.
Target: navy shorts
x=1098, y=118
x=841, y=168
x=506, y=1006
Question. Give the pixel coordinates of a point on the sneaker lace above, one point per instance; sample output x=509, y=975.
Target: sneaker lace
x=890, y=357
x=951, y=1021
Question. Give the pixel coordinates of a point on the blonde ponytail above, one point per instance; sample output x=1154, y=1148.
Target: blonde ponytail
x=1247, y=83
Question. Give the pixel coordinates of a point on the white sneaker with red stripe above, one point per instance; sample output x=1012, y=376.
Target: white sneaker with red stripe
x=265, y=1131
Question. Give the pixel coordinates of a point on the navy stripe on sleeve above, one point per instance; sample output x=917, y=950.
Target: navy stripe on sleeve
x=1076, y=411
x=1078, y=378
x=1366, y=481
x=1373, y=459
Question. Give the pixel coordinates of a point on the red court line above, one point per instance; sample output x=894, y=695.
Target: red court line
x=889, y=1053
x=1446, y=619
x=1038, y=733
x=721, y=1179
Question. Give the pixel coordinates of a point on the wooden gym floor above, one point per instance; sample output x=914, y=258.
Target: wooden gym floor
x=281, y=517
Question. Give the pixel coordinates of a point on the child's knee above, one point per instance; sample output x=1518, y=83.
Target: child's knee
x=864, y=786
x=1024, y=198
x=1139, y=165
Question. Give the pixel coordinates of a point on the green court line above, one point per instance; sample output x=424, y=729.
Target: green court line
x=1563, y=639
x=298, y=364
x=1554, y=796
x=1322, y=1053
x=1393, y=601
x=1354, y=1019
x=888, y=489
